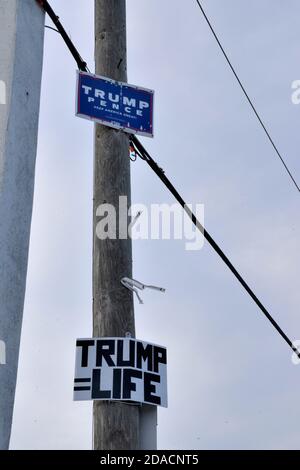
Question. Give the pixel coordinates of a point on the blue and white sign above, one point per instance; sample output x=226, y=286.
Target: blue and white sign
x=115, y=104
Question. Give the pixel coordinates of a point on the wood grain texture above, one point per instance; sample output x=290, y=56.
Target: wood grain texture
x=116, y=425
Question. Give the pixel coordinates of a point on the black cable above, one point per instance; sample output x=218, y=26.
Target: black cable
x=53, y=29
x=247, y=96
x=80, y=62
x=144, y=155
x=161, y=174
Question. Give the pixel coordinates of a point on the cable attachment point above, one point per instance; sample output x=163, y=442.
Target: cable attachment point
x=132, y=153
x=134, y=285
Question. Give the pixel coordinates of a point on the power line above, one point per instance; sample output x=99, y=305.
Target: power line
x=80, y=62
x=144, y=155
x=247, y=96
x=53, y=29
x=161, y=174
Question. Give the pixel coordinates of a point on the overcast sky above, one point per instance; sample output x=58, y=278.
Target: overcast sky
x=232, y=384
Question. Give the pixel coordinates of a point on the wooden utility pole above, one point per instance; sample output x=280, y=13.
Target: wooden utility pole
x=116, y=424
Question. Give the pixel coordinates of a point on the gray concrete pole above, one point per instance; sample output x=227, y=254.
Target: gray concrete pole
x=21, y=56
x=116, y=425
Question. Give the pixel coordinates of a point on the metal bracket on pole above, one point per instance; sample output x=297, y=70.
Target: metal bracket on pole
x=134, y=285
x=148, y=427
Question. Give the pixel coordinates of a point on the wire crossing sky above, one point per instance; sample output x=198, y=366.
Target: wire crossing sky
x=247, y=96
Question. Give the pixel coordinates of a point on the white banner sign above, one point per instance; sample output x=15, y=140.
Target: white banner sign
x=123, y=369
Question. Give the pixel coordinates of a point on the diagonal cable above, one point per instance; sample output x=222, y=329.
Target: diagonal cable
x=247, y=96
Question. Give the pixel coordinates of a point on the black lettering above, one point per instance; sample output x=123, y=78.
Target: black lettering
x=117, y=383
x=121, y=362
x=128, y=385
x=105, y=349
x=97, y=393
x=160, y=357
x=84, y=344
x=144, y=354
x=150, y=388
